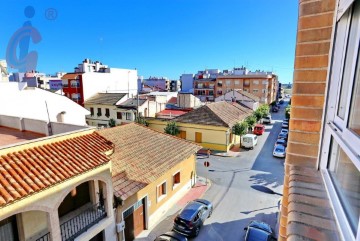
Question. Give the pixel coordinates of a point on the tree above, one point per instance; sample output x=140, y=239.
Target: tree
x=251, y=120
x=240, y=129
x=142, y=121
x=287, y=112
x=261, y=112
x=172, y=128
x=112, y=122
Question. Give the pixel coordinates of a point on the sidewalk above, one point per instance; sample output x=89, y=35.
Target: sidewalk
x=166, y=223
x=233, y=152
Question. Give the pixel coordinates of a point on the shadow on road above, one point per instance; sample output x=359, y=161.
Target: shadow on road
x=231, y=231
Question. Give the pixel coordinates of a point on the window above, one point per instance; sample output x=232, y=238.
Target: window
x=255, y=82
x=237, y=82
x=119, y=115
x=99, y=112
x=128, y=116
x=161, y=191
x=246, y=90
x=91, y=111
x=264, y=91
x=265, y=82
x=65, y=83
x=198, y=137
x=211, y=92
x=246, y=82
x=339, y=160
x=107, y=112
x=228, y=82
x=176, y=179
x=182, y=134
x=220, y=83
x=255, y=90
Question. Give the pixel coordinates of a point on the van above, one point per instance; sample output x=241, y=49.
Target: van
x=249, y=141
x=259, y=129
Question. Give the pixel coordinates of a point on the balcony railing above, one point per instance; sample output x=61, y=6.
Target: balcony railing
x=82, y=222
x=45, y=237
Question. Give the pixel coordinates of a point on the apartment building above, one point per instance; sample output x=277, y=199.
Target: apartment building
x=210, y=84
x=56, y=188
x=322, y=168
x=90, y=78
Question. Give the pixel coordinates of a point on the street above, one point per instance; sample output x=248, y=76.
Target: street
x=235, y=202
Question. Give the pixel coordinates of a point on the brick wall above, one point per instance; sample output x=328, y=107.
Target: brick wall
x=315, y=26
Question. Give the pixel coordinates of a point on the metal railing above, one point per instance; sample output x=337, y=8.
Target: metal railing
x=45, y=237
x=82, y=222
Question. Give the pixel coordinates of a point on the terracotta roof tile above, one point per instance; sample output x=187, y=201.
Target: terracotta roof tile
x=217, y=114
x=31, y=170
x=142, y=155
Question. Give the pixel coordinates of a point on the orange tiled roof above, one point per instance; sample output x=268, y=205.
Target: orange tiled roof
x=142, y=155
x=32, y=170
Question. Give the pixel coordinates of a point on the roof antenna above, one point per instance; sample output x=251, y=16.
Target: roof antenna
x=49, y=124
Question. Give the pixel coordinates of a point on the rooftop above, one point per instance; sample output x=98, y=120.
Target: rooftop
x=217, y=114
x=28, y=171
x=142, y=155
x=9, y=136
x=105, y=98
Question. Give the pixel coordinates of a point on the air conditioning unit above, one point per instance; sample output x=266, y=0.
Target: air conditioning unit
x=120, y=227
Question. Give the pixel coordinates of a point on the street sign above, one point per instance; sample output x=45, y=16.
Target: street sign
x=206, y=164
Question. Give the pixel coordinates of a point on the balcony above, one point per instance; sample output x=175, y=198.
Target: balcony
x=78, y=222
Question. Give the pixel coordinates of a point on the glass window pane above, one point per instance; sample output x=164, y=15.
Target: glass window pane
x=354, y=121
x=350, y=52
x=346, y=179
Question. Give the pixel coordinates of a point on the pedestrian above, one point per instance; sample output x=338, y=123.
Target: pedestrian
x=208, y=152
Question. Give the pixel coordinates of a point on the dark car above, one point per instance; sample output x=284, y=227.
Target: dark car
x=281, y=102
x=275, y=108
x=192, y=217
x=283, y=136
x=171, y=236
x=259, y=231
x=285, y=125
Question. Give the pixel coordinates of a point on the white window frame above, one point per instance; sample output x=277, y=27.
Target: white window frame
x=159, y=198
x=228, y=82
x=336, y=129
x=255, y=82
x=237, y=82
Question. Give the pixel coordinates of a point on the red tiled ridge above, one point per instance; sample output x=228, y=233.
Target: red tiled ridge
x=310, y=216
x=31, y=170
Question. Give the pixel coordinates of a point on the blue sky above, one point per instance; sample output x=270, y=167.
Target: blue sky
x=159, y=37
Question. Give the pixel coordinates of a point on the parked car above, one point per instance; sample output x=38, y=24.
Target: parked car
x=281, y=102
x=267, y=119
x=259, y=129
x=171, y=236
x=286, y=131
x=279, y=151
x=259, y=231
x=249, y=141
x=281, y=142
x=285, y=124
x=192, y=216
x=283, y=136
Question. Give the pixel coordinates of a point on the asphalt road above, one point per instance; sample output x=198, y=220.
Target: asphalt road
x=235, y=202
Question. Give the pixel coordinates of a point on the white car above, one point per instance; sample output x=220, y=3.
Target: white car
x=286, y=131
x=279, y=151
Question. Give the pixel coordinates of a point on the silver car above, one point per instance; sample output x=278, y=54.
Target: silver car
x=279, y=151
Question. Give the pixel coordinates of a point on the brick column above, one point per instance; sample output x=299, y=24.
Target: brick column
x=315, y=26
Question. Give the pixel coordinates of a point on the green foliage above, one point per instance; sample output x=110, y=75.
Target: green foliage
x=141, y=120
x=261, y=112
x=240, y=128
x=287, y=112
x=172, y=128
x=112, y=122
x=251, y=120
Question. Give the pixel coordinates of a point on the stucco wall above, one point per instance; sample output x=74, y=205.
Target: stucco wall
x=213, y=137
x=156, y=209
